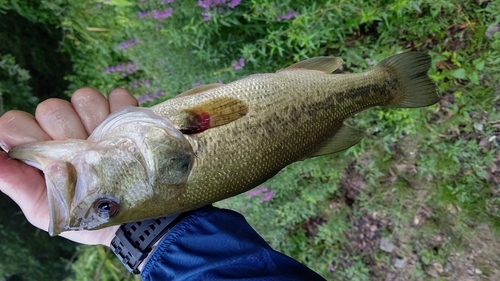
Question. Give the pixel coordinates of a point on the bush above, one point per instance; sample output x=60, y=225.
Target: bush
x=442, y=157
x=15, y=93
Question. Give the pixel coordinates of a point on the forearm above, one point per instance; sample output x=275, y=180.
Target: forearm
x=215, y=244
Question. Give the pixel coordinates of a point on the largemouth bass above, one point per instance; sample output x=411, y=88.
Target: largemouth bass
x=216, y=141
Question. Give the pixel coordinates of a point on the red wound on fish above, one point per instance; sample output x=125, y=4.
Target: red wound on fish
x=213, y=113
x=200, y=123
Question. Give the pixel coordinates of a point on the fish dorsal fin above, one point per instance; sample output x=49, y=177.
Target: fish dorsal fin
x=213, y=113
x=199, y=89
x=344, y=138
x=324, y=64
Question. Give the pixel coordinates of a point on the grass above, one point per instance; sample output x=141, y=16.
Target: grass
x=425, y=180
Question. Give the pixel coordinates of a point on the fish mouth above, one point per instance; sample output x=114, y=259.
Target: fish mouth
x=59, y=212
x=58, y=194
x=53, y=158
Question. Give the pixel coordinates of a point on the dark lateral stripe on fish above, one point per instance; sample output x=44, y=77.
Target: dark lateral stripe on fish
x=378, y=94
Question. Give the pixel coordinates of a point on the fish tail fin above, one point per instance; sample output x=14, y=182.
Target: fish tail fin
x=416, y=89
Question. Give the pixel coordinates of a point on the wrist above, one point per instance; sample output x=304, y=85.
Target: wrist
x=143, y=263
x=133, y=242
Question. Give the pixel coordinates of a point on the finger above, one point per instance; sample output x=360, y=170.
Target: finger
x=26, y=186
x=59, y=120
x=18, y=127
x=91, y=107
x=120, y=98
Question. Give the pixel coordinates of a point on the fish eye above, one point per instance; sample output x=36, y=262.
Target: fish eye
x=105, y=207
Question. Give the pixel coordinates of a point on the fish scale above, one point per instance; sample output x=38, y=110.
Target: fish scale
x=270, y=127
x=216, y=141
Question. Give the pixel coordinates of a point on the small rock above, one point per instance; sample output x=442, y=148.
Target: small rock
x=386, y=245
x=416, y=220
x=448, y=267
x=438, y=267
x=478, y=127
x=492, y=29
x=470, y=271
x=400, y=263
x=431, y=271
x=478, y=271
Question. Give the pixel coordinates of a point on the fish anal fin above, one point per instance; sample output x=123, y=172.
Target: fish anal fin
x=199, y=89
x=214, y=113
x=323, y=64
x=344, y=138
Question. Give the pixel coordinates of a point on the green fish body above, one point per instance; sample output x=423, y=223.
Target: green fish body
x=216, y=141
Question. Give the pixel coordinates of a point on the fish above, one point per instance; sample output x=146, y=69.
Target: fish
x=217, y=140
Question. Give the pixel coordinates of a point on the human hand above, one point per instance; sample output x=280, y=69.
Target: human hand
x=54, y=119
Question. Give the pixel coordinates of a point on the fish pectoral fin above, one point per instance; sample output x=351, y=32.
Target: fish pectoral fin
x=214, y=113
x=199, y=89
x=324, y=64
x=344, y=138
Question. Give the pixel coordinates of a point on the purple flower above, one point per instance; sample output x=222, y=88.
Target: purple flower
x=287, y=16
x=204, y=4
x=143, y=14
x=207, y=5
x=256, y=191
x=234, y=3
x=162, y=14
x=150, y=96
x=239, y=64
x=166, y=1
x=267, y=196
x=124, y=69
x=331, y=267
x=126, y=44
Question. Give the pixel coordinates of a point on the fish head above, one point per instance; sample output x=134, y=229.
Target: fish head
x=99, y=187
x=113, y=178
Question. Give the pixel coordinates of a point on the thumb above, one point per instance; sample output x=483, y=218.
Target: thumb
x=26, y=186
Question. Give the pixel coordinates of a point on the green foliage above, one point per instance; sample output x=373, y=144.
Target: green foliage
x=29, y=253
x=438, y=158
x=35, y=45
x=14, y=89
x=98, y=263
x=17, y=259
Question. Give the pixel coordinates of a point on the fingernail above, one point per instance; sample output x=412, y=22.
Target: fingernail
x=3, y=146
